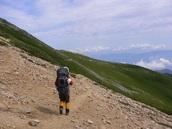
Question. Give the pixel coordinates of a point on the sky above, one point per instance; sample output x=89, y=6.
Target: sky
x=94, y=25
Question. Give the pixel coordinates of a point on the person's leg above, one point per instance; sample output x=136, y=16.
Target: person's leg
x=67, y=108
x=61, y=96
x=61, y=107
x=67, y=102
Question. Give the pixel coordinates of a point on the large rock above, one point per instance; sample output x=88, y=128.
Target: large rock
x=34, y=122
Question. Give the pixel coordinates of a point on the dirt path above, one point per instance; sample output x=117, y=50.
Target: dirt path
x=27, y=93
x=59, y=121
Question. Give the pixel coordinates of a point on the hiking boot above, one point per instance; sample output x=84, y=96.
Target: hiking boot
x=61, y=110
x=67, y=111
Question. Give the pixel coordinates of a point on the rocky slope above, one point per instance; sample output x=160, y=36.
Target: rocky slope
x=28, y=98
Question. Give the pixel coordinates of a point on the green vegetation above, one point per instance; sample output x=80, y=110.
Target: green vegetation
x=27, y=42
x=135, y=82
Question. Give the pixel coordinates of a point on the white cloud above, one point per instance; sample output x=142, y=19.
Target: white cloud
x=165, y=61
x=144, y=46
x=156, y=64
x=105, y=14
x=148, y=46
x=112, y=22
x=93, y=49
x=140, y=47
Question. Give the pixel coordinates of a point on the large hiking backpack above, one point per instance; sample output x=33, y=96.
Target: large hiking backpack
x=62, y=76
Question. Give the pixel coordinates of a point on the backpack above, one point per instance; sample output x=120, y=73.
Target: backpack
x=62, y=76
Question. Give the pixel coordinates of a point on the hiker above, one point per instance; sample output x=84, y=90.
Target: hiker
x=62, y=84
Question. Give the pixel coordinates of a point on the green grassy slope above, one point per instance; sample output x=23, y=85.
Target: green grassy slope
x=135, y=82
x=27, y=42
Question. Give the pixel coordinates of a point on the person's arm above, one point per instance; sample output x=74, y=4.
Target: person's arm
x=70, y=82
x=56, y=82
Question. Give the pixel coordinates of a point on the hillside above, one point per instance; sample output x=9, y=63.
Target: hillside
x=135, y=82
x=138, y=83
x=28, y=94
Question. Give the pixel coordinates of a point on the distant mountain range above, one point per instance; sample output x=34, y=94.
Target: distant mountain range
x=161, y=57
x=130, y=58
x=166, y=72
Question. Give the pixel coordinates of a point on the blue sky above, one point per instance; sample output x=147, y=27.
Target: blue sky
x=94, y=25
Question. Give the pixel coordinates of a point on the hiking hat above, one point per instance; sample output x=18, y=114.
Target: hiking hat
x=66, y=68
